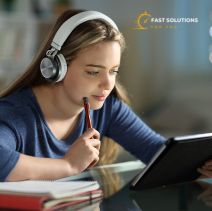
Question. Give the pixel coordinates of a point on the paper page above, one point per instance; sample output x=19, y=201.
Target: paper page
x=56, y=189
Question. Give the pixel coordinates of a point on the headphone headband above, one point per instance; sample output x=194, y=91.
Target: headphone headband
x=53, y=67
x=69, y=25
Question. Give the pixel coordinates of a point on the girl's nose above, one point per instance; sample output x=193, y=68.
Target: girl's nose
x=106, y=82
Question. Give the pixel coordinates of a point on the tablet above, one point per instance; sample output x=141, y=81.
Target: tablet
x=175, y=162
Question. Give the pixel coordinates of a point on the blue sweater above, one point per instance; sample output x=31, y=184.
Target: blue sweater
x=23, y=129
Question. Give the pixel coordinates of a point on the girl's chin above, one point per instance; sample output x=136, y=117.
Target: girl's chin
x=96, y=106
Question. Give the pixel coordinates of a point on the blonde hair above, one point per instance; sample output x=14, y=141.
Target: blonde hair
x=86, y=34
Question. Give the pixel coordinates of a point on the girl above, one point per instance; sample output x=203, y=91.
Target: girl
x=43, y=133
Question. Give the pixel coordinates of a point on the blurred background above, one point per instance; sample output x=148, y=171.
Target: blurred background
x=167, y=71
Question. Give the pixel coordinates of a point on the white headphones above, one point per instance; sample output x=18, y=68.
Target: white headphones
x=53, y=67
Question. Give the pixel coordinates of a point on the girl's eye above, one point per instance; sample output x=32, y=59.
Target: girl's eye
x=92, y=73
x=114, y=72
x=95, y=73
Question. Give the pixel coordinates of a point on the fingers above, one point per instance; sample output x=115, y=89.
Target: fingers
x=95, y=143
x=206, y=169
x=91, y=137
x=95, y=152
x=205, y=172
x=84, y=152
x=95, y=158
x=94, y=163
x=91, y=133
x=96, y=146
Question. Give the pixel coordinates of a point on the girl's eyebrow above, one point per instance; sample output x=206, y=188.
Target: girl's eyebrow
x=99, y=66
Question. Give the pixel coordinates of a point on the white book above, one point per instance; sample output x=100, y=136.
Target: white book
x=54, y=189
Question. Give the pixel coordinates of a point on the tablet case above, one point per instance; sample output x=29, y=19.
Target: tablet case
x=176, y=162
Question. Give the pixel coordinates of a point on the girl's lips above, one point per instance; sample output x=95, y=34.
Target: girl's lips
x=99, y=98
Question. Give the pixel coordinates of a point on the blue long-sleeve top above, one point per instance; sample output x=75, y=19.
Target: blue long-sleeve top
x=23, y=129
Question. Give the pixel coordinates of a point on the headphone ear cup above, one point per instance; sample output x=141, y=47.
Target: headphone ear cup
x=62, y=67
x=53, y=70
x=49, y=68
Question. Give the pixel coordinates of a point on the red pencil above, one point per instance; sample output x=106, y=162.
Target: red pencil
x=87, y=112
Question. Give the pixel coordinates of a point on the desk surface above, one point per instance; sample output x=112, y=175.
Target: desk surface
x=115, y=180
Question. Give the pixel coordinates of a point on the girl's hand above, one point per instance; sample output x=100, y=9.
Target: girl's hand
x=84, y=152
x=206, y=169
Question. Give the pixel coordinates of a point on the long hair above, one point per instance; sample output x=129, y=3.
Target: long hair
x=86, y=34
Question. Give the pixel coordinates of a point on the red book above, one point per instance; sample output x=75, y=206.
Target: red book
x=32, y=199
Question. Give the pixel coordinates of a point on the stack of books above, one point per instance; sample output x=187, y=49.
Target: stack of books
x=48, y=195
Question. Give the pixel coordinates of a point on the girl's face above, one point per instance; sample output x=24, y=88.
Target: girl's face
x=93, y=74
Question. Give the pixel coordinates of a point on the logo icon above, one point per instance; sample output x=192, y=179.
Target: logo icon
x=142, y=20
